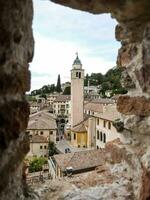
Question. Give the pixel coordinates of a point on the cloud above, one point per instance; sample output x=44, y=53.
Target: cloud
x=60, y=32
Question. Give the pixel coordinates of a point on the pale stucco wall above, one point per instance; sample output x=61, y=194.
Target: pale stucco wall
x=111, y=133
x=36, y=150
x=77, y=97
x=46, y=133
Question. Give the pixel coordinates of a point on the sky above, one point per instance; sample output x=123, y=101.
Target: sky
x=60, y=32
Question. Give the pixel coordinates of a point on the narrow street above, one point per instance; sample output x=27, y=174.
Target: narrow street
x=63, y=144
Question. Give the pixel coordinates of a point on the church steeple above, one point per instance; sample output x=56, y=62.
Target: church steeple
x=77, y=91
x=77, y=63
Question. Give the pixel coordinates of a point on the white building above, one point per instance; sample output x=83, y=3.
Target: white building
x=51, y=98
x=105, y=131
x=62, y=106
x=100, y=123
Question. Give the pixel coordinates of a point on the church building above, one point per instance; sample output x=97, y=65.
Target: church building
x=78, y=130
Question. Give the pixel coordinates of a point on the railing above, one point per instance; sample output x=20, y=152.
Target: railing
x=37, y=177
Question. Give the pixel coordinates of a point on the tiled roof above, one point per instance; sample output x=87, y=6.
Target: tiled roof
x=41, y=120
x=110, y=113
x=62, y=98
x=103, y=101
x=95, y=107
x=81, y=127
x=80, y=160
x=38, y=139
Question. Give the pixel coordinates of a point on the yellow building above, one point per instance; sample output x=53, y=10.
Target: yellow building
x=79, y=135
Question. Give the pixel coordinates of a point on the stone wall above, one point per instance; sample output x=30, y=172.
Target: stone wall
x=16, y=52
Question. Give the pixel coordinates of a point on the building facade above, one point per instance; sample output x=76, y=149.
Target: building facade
x=41, y=129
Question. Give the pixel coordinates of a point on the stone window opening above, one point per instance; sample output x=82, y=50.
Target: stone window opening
x=97, y=121
x=101, y=136
x=14, y=93
x=104, y=138
x=97, y=134
x=104, y=123
x=79, y=74
x=51, y=132
x=109, y=125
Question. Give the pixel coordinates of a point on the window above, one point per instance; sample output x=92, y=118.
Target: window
x=104, y=138
x=51, y=132
x=45, y=147
x=97, y=147
x=97, y=134
x=109, y=125
x=74, y=136
x=97, y=121
x=41, y=147
x=76, y=74
x=101, y=136
x=104, y=123
x=41, y=133
x=79, y=74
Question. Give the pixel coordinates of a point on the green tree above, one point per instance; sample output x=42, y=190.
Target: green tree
x=67, y=91
x=104, y=87
x=58, y=86
x=31, y=98
x=86, y=80
x=52, y=148
x=36, y=164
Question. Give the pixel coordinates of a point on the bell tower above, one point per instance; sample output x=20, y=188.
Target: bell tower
x=77, y=92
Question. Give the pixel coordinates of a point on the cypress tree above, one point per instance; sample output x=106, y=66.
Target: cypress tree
x=58, y=86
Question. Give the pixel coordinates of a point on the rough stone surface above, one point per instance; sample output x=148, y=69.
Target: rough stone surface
x=134, y=105
x=16, y=51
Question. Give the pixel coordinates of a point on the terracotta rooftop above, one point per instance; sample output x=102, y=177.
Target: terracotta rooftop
x=110, y=113
x=41, y=120
x=81, y=127
x=38, y=139
x=62, y=98
x=95, y=107
x=103, y=101
x=80, y=160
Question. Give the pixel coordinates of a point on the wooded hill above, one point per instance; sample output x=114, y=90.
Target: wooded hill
x=107, y=82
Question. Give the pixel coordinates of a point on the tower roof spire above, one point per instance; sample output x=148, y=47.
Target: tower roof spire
x=77, y=55
x=77, y=60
